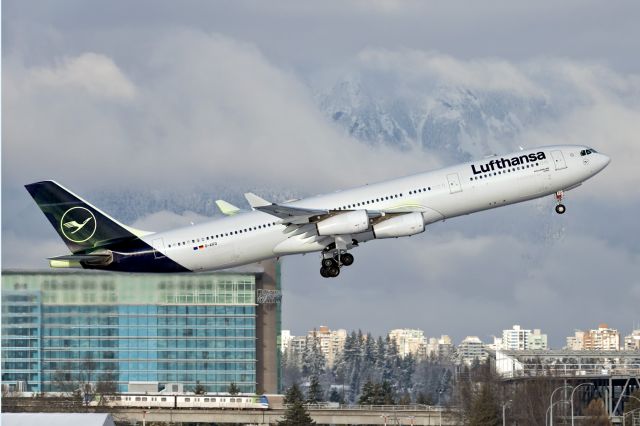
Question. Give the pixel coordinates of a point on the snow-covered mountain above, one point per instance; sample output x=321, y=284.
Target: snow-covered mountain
x=456, y=122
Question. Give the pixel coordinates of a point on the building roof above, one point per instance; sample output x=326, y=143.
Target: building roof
x=252, y=268
x=57, y=419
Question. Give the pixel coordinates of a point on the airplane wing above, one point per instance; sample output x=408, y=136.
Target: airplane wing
x=288, y=214
x=227, y=209
x=301, y=216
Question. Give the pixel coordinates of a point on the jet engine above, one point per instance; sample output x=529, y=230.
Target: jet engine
x=344, y=223
x=399, y=226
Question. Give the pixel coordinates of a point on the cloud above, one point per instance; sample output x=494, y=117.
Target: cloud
x=229, y=115
x=478, y=74
x=541, y=101
x=96, y=74
x=445, y=282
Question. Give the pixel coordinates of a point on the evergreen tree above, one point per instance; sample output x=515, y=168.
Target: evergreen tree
x=233, y=389
x=424, y=399
x=335, y=396
x=295, y=414
x=367, y=395
x=484, y=409
x=313, y=361
x=199, y=389
x=314, y=393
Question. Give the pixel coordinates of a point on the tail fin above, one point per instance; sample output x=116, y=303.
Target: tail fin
x=80, y=225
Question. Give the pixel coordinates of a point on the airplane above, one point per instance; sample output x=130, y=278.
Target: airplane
x=332, y=224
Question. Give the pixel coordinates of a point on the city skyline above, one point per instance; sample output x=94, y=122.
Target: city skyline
x=632, y=336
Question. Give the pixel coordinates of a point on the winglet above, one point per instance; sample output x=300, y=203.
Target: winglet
x=255, y=201
x=227, y=209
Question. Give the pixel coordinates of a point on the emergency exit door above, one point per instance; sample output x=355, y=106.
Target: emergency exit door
x=454, y=183
x=558, y=159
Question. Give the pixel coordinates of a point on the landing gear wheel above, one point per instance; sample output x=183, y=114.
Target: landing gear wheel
x=328, y=262
x=324, y=272
x=347, y=259
x=333, y=271
x=560, y=209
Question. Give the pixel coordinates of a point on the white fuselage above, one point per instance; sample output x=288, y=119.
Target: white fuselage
x=441, y=194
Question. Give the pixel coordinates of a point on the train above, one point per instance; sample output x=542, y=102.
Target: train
x=193, y=401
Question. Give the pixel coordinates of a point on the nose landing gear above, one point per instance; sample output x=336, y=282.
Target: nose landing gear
x=560, y=208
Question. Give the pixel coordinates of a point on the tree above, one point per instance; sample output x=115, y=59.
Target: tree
x=335, y=396
x=484, y=410
x=313, y=361
x=233, y=389
x=200, y=389
x=376, y=394
x=424, y=399
x=295, y=414
x=596, y=414
x=314, y=393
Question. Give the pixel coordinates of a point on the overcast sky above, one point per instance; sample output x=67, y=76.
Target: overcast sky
x=153, y=95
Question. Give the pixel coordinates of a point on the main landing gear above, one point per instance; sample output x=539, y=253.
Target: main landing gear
x=560, y=208
x=331, y=265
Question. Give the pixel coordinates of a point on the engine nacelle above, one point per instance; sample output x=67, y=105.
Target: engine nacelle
x=399, y=226
x=344, y=223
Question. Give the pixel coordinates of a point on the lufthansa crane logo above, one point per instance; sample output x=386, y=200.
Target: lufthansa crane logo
x=78, y=224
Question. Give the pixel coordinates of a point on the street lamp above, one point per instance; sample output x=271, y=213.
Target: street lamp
x=572, y=392
x=546, y=420
x=551, y=400
x=504, y=407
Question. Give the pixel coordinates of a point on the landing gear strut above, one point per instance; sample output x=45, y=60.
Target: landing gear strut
x=560, y=208
x=330, y=266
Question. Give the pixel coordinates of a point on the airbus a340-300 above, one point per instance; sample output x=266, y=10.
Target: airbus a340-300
x=331, y=224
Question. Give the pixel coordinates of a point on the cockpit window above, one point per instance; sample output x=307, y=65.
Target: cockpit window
x=587, y=151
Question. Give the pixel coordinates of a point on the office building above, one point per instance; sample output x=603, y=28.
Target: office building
x=67, y=328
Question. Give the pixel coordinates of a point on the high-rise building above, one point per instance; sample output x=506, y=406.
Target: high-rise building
x=87, y=327
x=472, y=349
x=285, y=340
x=331, y=342
x=440, y=347
x=519, y=339
x=576, y=342
x=409, y=341
x=632, y=341
x=601, y=339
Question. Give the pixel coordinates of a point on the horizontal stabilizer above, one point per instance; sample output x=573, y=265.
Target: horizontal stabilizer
x=227, y=209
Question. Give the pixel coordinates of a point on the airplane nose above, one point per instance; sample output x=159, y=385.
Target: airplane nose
x=603, y=161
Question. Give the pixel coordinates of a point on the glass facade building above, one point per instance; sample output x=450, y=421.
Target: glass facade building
x=67, y=328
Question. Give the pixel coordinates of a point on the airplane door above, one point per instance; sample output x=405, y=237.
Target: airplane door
x=558, y=159
x=158, y=248
x=454, y=183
